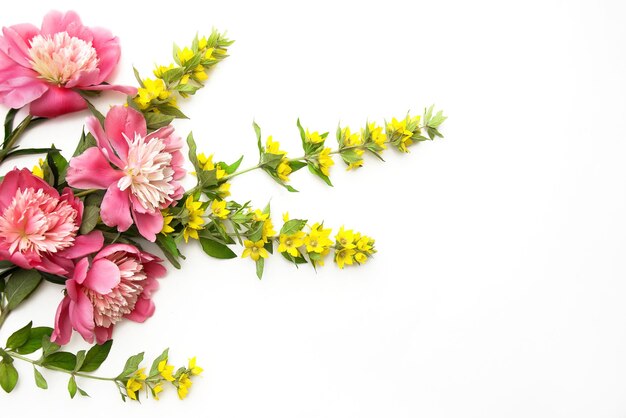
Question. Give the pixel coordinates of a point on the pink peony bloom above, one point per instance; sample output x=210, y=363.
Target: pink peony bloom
x=38, y=226
x=143, y=178
x=44, y=66
x=118, y=284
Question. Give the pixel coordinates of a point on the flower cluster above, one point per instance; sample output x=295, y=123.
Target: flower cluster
x=82, y=223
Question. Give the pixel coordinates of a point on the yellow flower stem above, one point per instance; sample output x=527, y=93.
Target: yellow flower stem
x=79, y=374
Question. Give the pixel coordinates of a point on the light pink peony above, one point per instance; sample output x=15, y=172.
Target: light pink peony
x=43, y=66
x=118, y=284
x=145, y=172
x=38, y=227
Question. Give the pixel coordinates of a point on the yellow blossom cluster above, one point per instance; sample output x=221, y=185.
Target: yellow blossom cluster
x=163, y=374
x=351, y=247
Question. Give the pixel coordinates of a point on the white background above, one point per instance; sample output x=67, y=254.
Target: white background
x=498, y=290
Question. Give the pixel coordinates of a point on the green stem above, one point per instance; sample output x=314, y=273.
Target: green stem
x=79, y=374
x=85, y=192
x=3, y=315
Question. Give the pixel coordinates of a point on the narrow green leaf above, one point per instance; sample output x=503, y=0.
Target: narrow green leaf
x=83, y=393
x=8, y=376
x=216, y=249
x=169, y=248
x=131, y=366
x=86, y=141
x=93, y=109
x=296, y=165
x=91, y=214
x=260, y=264
x=319, y=173
x=230, y=169
x=155, y=121
x=80, y=358
x=19, y=337
x=155, y=364
x=27, y=151
x=96, y=356
x=71, y=387
x=8, y=123
x=257, y=130
x=39, y=379
x=138, y=78
x=21, y=284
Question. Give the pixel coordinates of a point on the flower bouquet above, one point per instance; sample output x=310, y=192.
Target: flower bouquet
x=81, y=219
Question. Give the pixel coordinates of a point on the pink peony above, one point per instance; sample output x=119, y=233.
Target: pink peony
x=38, y=226
x=143, y=178
x=43, y=66
x=118, y=284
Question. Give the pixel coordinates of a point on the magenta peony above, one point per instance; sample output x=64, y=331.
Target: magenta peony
x=44, y=66
x=118, y=284
x=38, y=227
x=143, y=177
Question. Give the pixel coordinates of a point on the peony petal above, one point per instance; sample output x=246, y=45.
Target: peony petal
x=108, y=49
x=103, y=276
x=56, y=21
x=113, y=248
x=81, y=316
x=149, y=224
x=80, y=271
x=57, y=101
x=123, y=122
x=20, y=86
x=23, y=179
x=94, y=126
x=103, y=334
x=13, y=45
x=84, y=245
x=91, y=170
x=115, y=208
x=144, y=308
x=62, y=325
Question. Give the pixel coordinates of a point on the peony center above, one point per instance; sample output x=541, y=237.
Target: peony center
x=35, y=221
x=60, y=58
x=148, y=173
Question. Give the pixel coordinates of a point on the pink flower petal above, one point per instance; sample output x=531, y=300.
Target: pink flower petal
x=113, y=248
x=84, y=245
x=56, y=21
x=22, y=179
x=123, y=121
x=93, y=125
x=91, y=170
x=15, y=46
x=57, y=101
x=115, y=208
x=62, y=325
x=103, y=276
x=149, y=224
x=103, y=334
x=81, y=316
x=80, y=272
x=144, y=309
x=108, y=49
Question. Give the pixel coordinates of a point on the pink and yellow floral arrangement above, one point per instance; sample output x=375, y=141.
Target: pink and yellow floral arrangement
x=80, y=223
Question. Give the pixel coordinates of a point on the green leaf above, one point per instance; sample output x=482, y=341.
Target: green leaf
x=138, y=78
x=260, y=264
x=131, y=366
x=8, y=123
x=34, y=340
x=93, y=109
x=71, y=387
x=216, y=249
x=155, y=364
x=60, y=359
x=292, y=226
x=27, y=151
x=173, y=75
x=230, y=169
x=437, y=120
x=8, y=376
x=91, y=214
x=96, y=356
x=5, y=264
x=48, y=347
x=302, y=135
x=169, y=248
x=58, y=166
x=315, y=170
x=86, y=141
x=21, y=284
x=39, y=379
x=296, y=165
x=157, y=120
x=296, y=260
x=171, y=111
x=80, y=358
x=257, y=130
x=19, y=337
x=83, y=393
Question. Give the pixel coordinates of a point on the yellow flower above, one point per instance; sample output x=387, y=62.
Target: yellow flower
x=313, y=137
x=195, y=222
x=135, y=384
x=268, y=230
x=358, y=163
x=283, y=170
x=254, y=249
x=259, y=216
x=272, y=147
x=158, y=388
x=325, y=161
x=345, y=238
x=38, y=169
x=360, y=258
x=185, y=55
x=290, y=243
x=344, y=257
x=206, y=163
x=377, y=135
x=167, y=219
x=209, y=53
x=218, y=207
x=285, y=216
x=400, y=133
x=153, y=89
x=161, y=69
x=364, y=244
x=351, y=139
x=184, y=79
x=193, y=369
x=199, y=74
x=317, y=241
x=166, y=370
x=224, y=190
x=202, y=43
x=184, y=383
